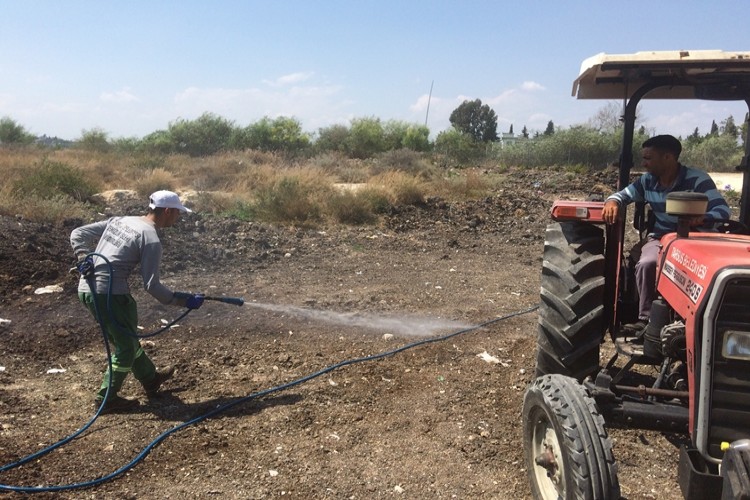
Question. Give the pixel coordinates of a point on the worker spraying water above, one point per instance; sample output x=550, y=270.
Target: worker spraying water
x=123, y=243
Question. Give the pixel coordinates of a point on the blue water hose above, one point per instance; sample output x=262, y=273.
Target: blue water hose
x=92, y=285
x=220, y=409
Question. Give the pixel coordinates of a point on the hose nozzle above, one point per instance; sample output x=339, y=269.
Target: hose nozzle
x=235, y=301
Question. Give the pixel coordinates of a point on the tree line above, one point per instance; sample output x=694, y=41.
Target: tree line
x=471, y=139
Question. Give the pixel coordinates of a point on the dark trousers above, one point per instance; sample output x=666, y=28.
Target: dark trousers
x=121, y=324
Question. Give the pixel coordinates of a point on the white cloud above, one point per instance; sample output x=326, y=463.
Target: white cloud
x=123, y=95
x=290, y=79
x=507, y=96
x=423, y=101
x=532, y=86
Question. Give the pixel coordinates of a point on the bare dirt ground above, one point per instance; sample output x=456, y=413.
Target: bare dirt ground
x=433, y=421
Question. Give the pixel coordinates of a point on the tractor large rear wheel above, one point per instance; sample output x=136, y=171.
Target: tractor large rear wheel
x=567, y=450
x=571, y=310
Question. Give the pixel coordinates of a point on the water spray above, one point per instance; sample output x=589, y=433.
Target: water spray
x=222, y=408
x=413, y=326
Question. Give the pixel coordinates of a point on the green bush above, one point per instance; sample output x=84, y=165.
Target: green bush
x=52, y=179
x=128, y=145
x=282, y=134
x=457, y=148
x=11, y=133
x=159, y=142
x=287, y=136
x=417, y=138
x=574, y=146
x=715, y=153
x=95, y=139
x=204, y=136
x=394, y=132
x=332, y=139
x=366, y=138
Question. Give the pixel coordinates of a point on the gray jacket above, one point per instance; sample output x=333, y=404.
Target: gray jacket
x=126, y=242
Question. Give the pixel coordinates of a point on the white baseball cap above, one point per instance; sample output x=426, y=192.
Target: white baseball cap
x=167, y=199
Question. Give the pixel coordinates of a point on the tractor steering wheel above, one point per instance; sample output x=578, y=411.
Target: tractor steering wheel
x=729, y=226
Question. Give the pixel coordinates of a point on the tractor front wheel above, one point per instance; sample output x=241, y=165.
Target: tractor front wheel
x=567, y=450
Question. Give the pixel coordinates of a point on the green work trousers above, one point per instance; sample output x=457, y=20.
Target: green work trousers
x=120, y=323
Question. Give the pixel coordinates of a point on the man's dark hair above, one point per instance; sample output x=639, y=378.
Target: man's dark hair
x=664, y=143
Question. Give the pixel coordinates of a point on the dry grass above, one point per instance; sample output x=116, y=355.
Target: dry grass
x=297, y=196
x=54, y=210
x=249, y=184
x=154, y=180
x=402, y=188
x=469, y=184
x=356, y=208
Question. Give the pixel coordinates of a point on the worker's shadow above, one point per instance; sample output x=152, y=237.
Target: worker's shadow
x=169, y=406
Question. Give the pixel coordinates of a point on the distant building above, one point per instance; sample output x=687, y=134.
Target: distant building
x=52, y=142
x=508, y=139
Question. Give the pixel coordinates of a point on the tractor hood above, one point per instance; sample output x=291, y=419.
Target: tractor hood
x=678, y=74
x=689, y=265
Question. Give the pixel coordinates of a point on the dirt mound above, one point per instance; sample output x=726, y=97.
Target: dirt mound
x=438, y=420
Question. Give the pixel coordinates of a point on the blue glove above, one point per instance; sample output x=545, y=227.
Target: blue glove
x=194, y=301
x=85, y=266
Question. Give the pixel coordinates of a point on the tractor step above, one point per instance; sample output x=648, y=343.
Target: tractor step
x=735, y=468
x=698, y=479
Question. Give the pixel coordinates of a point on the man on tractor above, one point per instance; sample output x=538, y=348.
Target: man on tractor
x=664, y=174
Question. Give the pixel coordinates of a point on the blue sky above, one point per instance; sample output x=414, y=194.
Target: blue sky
x=132, y=67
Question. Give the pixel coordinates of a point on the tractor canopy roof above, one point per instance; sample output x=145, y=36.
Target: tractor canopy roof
x=674, y=74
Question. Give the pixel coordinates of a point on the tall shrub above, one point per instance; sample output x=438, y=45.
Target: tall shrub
x=366, y=138
x=333, y=138
x=95, y=139
x=11, y=133
x=206, y=135
x=458, y=148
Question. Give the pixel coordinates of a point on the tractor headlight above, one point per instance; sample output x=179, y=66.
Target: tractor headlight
x=736, y=345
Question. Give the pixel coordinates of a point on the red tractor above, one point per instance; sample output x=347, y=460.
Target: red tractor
x=690, y=372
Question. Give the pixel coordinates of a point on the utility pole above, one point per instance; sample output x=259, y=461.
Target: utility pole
x=428, y=104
